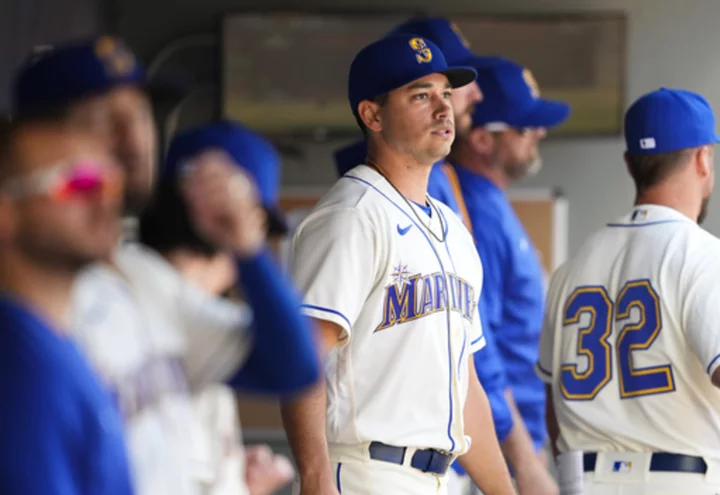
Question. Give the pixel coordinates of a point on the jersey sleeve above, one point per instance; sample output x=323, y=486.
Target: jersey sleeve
x=334, y=266
x=543, y=366
x=217, y=333
x=700, y=307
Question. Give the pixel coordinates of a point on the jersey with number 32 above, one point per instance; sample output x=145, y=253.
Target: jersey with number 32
x=632, y=336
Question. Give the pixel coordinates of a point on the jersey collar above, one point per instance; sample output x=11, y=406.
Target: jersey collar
x=648, y=215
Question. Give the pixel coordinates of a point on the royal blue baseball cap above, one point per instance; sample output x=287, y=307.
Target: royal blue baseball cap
x=511, y=96
x=58, y=75
x=248, y=149
x=393, y=62
x=350, y=156
x=444, y=33
x=669, y=120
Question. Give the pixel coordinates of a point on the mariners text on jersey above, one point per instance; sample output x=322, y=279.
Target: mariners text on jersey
x=410, y=297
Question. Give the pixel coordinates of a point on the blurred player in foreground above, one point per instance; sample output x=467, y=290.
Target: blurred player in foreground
x=166, y=226
x=60, y=204
x=392, y=279
x=630, y=348
x=157, y=340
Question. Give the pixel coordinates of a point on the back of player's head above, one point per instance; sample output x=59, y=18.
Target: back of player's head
x=663, y=130
x=54, y=78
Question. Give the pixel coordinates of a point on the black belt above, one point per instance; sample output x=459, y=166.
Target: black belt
x=426, y=460
x=661, y=461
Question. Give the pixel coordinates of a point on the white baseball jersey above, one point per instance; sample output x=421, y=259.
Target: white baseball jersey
x=631, y=336
x=407, y=305
x=156, y=340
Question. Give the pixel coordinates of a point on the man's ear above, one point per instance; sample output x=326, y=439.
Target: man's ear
x=481, y=141
x=704, y=161
x=369, y=113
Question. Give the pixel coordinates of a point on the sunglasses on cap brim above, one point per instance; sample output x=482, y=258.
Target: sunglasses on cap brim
x=71, y=180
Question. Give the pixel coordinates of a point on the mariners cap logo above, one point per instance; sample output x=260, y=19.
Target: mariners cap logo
x=117, y=59
x=459, y=34
x=531, y=83
x=423, y=54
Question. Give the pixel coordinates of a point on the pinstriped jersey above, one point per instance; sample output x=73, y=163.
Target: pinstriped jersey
x=407, y=303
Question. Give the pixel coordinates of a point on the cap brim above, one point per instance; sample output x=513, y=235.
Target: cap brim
x=277, y=223
x=545, y=113
x=460, y=76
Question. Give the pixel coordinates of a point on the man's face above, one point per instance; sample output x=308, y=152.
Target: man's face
x=65, y=199
x=417, y=119
x=516, y=150
x=463, y=101
x=123, y=118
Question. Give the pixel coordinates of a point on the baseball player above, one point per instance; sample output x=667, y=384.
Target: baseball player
x=446, y=36
x=499, y=150
x=155, y=338
x=629, y=349
x=443, y=186
x=391, y=278
x=60, y=204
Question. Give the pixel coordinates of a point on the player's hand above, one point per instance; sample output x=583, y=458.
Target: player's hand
x=266, y=473
x=223, y=204
x=535, y=479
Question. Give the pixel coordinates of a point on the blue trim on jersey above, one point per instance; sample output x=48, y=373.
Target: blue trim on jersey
x=477, y=340
x=442, y=267
x=462, y=349
x=712, y=362
x=543, y=370
x=642, y=224
x=327, y=310
x=339, y=485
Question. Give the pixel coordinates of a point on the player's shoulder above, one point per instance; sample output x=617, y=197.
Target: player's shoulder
x=352, y=199
x=33, y=353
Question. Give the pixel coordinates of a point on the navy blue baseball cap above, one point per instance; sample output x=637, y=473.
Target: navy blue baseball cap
x=58, y=75
x=512, y=97
x=249, y=150
x=350, y=156
x=393, y=62
x=444, y=33
x=669, y=120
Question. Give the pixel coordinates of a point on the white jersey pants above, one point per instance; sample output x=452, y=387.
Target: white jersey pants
x=356, y=474
x=635, y=478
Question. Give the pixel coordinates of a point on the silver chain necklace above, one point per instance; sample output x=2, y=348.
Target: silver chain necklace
x=429, y=202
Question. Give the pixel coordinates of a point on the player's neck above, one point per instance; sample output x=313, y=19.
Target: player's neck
x=408, y=176
x=45, y=291
x=671, y=198
x=480, y=165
